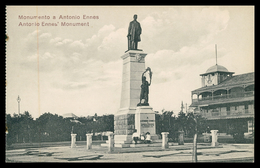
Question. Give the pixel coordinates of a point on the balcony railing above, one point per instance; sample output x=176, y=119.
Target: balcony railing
x=215, y=113
x=225, y=96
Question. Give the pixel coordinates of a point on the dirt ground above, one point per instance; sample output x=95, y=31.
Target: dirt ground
x=153, y=153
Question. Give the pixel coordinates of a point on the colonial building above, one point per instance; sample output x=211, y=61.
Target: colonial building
x=226, y=100
x=72, y=117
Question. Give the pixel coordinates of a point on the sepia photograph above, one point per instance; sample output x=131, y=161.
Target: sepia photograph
x=95, y=84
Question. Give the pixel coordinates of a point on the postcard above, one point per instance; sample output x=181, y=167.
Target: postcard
x=78, y=71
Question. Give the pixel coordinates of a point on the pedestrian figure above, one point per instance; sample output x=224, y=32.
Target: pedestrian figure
x=143, y=137
x=148, y=138
x=135, y=136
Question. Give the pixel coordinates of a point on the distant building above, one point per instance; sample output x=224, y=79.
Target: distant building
x=72, y=117
x=226, y=100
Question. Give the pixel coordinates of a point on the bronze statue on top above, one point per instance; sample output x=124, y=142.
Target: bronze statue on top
x=134, y=32
x=145, y=88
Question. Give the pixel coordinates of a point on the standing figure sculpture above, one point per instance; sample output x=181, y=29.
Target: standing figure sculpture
x=134, y=32
x=145, y=88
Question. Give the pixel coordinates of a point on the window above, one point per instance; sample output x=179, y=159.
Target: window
x=228, y=108
x=246, y=108
x=235, y=107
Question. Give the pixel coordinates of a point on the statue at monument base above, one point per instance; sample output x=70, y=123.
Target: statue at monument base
x=145, y=88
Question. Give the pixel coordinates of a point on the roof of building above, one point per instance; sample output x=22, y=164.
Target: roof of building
x=69, y=115
x=236, y=79
x=76, y=121
x=216, y=68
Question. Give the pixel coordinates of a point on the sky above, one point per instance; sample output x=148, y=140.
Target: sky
x=78, y=69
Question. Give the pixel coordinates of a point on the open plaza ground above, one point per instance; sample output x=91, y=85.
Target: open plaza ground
x=62, y=152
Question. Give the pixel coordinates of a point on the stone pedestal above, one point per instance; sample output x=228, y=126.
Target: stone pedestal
x=124, y=118
x=89, y=141
x=165, y=140
x=124, y=126
x=181, y=138
x=214, y=135
x=145, y=121
x=73, y=140
x=206, y=137
x=110, y=142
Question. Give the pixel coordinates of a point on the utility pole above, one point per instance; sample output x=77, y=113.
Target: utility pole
x=195, y=138
x=216, y=54
x=18, y=100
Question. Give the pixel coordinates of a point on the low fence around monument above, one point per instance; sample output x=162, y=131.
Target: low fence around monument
x=51, y=144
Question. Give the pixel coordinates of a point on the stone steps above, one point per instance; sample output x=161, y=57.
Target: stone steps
x=132, y=145
x=157, y=142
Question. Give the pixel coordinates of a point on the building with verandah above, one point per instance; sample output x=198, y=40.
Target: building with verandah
x=226, y=100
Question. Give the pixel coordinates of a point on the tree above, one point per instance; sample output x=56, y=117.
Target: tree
x=26, y=126
x=158, y=123
x=10, y=128
x=165, y=122
x=182, y=121
x=196, y=124
x=53, y=127
x=20, y=128
x=237, y=128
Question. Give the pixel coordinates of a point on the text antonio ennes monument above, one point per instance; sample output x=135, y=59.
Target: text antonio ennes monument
x=134, y=112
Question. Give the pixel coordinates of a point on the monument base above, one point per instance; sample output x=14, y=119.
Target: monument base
x=143, y=104
x=124, y=126
x=134, y=50
x=145, y=121
x=122, y=141
x=142, y=118
x=124, y=121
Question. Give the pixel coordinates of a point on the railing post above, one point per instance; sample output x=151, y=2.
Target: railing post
x=73, y=140
x=89, y=141
x=165, y=140
x=214, y=135
x=181, y=139
x=110, y=142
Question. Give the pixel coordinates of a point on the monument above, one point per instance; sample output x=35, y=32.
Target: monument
x=134, y=112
